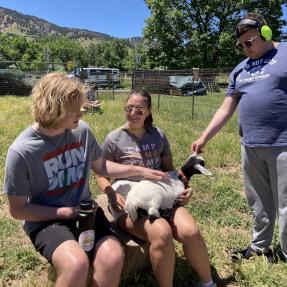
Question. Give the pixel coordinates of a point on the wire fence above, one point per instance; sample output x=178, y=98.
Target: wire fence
x=157, y=81
x=18, y=78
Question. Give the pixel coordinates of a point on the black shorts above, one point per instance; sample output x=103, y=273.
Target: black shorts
x=48, y=237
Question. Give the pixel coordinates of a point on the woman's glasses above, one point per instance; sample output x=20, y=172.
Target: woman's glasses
x=137, y=109
x=246, y=44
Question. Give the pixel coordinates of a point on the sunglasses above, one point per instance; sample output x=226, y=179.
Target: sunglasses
x=137, y=109
x=246, y=44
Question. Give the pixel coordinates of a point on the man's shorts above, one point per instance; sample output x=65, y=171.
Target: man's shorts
x=48, y=237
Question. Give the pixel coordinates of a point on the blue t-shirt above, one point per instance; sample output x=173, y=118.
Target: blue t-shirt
x=261, y=86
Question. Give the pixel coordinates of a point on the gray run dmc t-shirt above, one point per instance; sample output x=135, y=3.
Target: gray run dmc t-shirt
x=51, y=171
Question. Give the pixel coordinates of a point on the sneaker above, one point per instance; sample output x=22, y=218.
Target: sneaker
x=237, y=254
x=281, y=256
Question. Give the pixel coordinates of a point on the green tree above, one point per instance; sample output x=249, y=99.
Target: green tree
x=200, y=33
x=163, y=36
x=92, y=54
x=136, y=58
x=64, y=50
x=119, y=50
x=108, y=54
x=99, y=51
x=114, y=53
x=18, y=50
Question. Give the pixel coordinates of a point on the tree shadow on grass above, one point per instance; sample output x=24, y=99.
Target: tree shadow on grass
x=184, y=276
x=52, y=274
x=222, y=282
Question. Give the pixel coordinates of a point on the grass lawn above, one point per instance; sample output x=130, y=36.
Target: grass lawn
x=218, y=202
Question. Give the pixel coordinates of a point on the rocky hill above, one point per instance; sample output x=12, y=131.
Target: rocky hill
x=14, y=22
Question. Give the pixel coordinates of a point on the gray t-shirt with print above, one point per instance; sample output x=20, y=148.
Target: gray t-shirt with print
x=51, y=171
x=122, y=147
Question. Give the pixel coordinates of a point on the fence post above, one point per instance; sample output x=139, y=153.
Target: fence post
x=195, y=78
x=113, y=87
x=46, y=57
x=133, y=79
x=158, y=85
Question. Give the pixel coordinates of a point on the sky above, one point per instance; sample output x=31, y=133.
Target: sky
x=117, y=18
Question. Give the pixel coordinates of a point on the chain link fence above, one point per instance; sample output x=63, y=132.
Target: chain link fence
x=157, y=81
x=18, y=78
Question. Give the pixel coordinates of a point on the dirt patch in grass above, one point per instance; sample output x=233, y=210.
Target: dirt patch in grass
x=31, y=280
x=4, y=210
x=229, y=170
x=241, y=232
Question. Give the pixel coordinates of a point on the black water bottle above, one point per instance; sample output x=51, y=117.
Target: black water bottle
x=86, y=226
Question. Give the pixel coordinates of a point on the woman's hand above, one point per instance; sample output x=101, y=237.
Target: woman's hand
x=92, y=104
x=153, y=173
x=115, y=200
x=185, y=196
x=120, y=203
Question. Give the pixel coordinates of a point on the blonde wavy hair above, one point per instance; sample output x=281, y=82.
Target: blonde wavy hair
x=56, y=96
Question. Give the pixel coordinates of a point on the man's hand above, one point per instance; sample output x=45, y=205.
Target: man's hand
x=21, y=209
x=68, y=212
x=197, y=146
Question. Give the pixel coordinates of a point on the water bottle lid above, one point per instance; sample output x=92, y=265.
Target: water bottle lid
x=87, y=205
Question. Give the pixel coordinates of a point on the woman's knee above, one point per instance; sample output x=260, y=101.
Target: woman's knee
x=189, y=233
x=161, y=233
x=109, y=253
x=185, y=227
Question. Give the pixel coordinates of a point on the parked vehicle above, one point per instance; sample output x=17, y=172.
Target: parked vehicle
x=99, y=77
x=187, y=86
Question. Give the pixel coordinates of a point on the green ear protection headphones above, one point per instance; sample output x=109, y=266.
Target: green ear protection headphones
x=264, y=30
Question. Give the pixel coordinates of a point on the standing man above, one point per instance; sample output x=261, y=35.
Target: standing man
x=258, y=86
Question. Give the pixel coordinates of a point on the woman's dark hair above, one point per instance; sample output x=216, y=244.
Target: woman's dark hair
x=143, y=93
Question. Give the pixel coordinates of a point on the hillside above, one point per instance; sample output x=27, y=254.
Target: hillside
x=14, y=22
